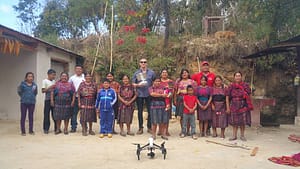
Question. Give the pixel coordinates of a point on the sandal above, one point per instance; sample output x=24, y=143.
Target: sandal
x=57, y=132
x=214, y=135
x=165, y=137
x=130, y=133
x=122, y=133
x=243, y=138
x=66, y=132
x=91, y=132
x=232, y=138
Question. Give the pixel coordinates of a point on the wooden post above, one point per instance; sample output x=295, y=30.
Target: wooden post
x=111, y=37
x=98, y=45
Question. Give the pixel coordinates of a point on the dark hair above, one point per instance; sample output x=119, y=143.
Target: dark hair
x=105, y=80
x=237, y=73
x=87, y=73
x=157, y=77
x=204, y=77
x=164, y=69
x=189, y=86
x=218, y=76
x=64, y=73
x=79, y=66
x=51, y=71
x=125, y=76
x=184, y=70
x=110, y=73
x=27, y=74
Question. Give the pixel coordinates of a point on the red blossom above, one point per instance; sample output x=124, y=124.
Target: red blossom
x=141, y=39
x=129, y=28
x=131, y=13
x=120, y=41
x=145, y=30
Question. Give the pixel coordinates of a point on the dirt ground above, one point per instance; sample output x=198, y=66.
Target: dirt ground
x=75, y=151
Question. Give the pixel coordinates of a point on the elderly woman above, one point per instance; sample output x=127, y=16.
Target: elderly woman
x=180, y=90
x=127, y=95
x=62, y=99
x=87, y=93
x=240, y=106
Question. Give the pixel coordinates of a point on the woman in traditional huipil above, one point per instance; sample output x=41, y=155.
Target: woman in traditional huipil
x=63, y=98
x=240, y=106
x=220, y=107
x=87, y=93
x=203, y=93
x=127, y=95
x=180, y=91
x=168, y=85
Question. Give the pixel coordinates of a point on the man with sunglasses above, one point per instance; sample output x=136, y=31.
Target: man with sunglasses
x=142, y=79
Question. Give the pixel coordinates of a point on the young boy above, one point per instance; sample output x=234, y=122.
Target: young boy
x=190, y=104
x=47, y=86
x=106, y=98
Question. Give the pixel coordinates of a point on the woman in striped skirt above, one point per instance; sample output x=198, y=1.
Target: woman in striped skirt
x=220, y=107
x=240, y=106
x=87, y=92
x=63, y=98
x=204, y=114
x=127, y=95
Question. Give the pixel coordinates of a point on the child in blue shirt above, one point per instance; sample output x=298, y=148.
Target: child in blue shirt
x=106, y=98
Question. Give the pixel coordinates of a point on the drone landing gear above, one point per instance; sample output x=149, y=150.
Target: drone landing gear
x=151, y=149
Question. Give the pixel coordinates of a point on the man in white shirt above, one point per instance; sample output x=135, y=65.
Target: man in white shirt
x=76, y=80
x=47, y=87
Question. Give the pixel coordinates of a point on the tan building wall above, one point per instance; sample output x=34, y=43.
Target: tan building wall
x=43, y=63
x=12, y=72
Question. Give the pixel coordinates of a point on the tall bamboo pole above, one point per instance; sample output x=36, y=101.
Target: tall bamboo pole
x=111, y=37
x=98, y=45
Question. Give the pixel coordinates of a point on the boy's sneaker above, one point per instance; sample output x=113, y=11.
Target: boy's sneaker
x=101, y=135
x=194, y=137
x=182, y=135
x=109, y=135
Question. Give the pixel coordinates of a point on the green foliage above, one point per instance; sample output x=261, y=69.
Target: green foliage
x=27, y=13
x=52, y=20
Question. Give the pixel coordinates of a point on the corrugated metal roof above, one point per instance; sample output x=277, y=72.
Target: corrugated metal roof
x=22, y=36
x=283, y=46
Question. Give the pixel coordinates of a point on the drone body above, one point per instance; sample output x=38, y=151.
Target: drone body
x=151, y=146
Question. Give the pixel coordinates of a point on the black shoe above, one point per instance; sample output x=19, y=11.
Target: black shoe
x=23, y=134
x=46, y=131
x=73, y=130
x=31, y=133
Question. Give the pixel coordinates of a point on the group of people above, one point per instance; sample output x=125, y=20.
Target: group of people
x=202, y=95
